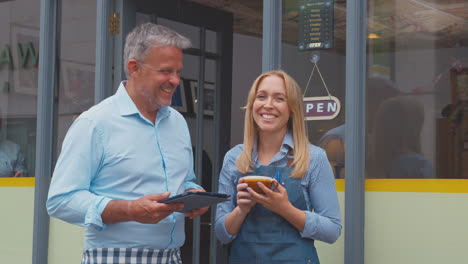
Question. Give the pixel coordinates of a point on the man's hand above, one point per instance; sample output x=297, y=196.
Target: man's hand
x=18, y=174
x=147, y=210
x=194, y=213
x=144, y=210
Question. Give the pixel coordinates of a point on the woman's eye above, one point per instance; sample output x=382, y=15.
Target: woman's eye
x=280, y=99
x=260, y=97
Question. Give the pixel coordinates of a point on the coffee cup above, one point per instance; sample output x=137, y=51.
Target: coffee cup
x=252, y=182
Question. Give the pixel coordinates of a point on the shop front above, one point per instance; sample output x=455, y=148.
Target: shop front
x=386, y=84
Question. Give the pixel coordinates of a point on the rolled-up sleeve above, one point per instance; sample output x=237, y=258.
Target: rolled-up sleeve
x=226, y=185
x=324, y=222
x=70, y=198
x=191, y=185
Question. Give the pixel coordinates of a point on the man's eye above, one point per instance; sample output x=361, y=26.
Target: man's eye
x=165, y=71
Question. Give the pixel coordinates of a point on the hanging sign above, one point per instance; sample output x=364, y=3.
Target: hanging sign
x=321, y=108
x=315, y=25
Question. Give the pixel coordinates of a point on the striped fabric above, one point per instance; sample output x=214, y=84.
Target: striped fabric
x=131, y=256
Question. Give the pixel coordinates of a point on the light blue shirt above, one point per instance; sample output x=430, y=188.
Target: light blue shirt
x=318, y=187
x=112, y=152
x=11, y=159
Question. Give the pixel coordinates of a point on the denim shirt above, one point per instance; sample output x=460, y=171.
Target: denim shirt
x=11, y=159
x=318, y=186
x=112, y=152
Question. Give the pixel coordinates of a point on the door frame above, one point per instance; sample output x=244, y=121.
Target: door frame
x=205, y=18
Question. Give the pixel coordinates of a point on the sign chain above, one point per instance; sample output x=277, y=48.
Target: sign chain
x=314, y=59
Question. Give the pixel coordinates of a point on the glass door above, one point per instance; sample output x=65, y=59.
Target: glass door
x=203, y=98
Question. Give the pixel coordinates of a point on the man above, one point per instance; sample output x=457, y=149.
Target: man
x=125, y=154
x=11, y=159
x=12, y=162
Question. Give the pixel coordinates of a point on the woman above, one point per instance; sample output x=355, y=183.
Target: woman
x=281, y=225
x=396, y=148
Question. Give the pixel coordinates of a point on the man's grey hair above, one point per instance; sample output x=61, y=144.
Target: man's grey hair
x=148, y=35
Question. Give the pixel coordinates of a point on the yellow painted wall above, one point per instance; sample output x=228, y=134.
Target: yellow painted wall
x=65, y=242
x=16, y=228
x=416, y=221
x=333, y=253
x=426, y=225
x=413, y=228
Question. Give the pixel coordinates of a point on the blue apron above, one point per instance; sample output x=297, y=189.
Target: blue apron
x=266, y=237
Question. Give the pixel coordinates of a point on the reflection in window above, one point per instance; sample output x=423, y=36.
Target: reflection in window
x=420, y=48
x=12, y=146
x=419, y=45
x=333, y=141
x=19, y=59
x=77, y=64
x=328, y=134
x=396, y=133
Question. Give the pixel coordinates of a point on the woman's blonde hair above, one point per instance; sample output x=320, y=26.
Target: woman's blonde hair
x=296, y=125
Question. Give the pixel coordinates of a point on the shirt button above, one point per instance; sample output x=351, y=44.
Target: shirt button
x=309, y=261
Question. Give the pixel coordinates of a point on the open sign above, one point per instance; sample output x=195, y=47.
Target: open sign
x=321, y=108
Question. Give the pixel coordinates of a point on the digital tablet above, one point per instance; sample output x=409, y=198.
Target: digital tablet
x=196, y=200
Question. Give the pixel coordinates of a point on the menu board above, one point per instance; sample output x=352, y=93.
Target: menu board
x=315, y=25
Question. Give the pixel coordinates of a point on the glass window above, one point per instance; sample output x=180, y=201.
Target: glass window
x=319, y=72
x=211, y=41
x=247, y=55
x=416, y=134
x=19, y=58
x=77, y=36
x=417, y=89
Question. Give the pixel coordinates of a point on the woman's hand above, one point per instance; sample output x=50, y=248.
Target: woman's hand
x=275, y=201
x=244, y=201
x=278, y=202
x=236, y=217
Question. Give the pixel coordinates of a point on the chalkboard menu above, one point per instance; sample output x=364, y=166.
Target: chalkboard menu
x=315, y=25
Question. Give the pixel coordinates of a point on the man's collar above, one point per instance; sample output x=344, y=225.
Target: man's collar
x=126, y=105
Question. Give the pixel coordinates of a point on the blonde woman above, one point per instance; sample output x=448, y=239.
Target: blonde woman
x=279, y=226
